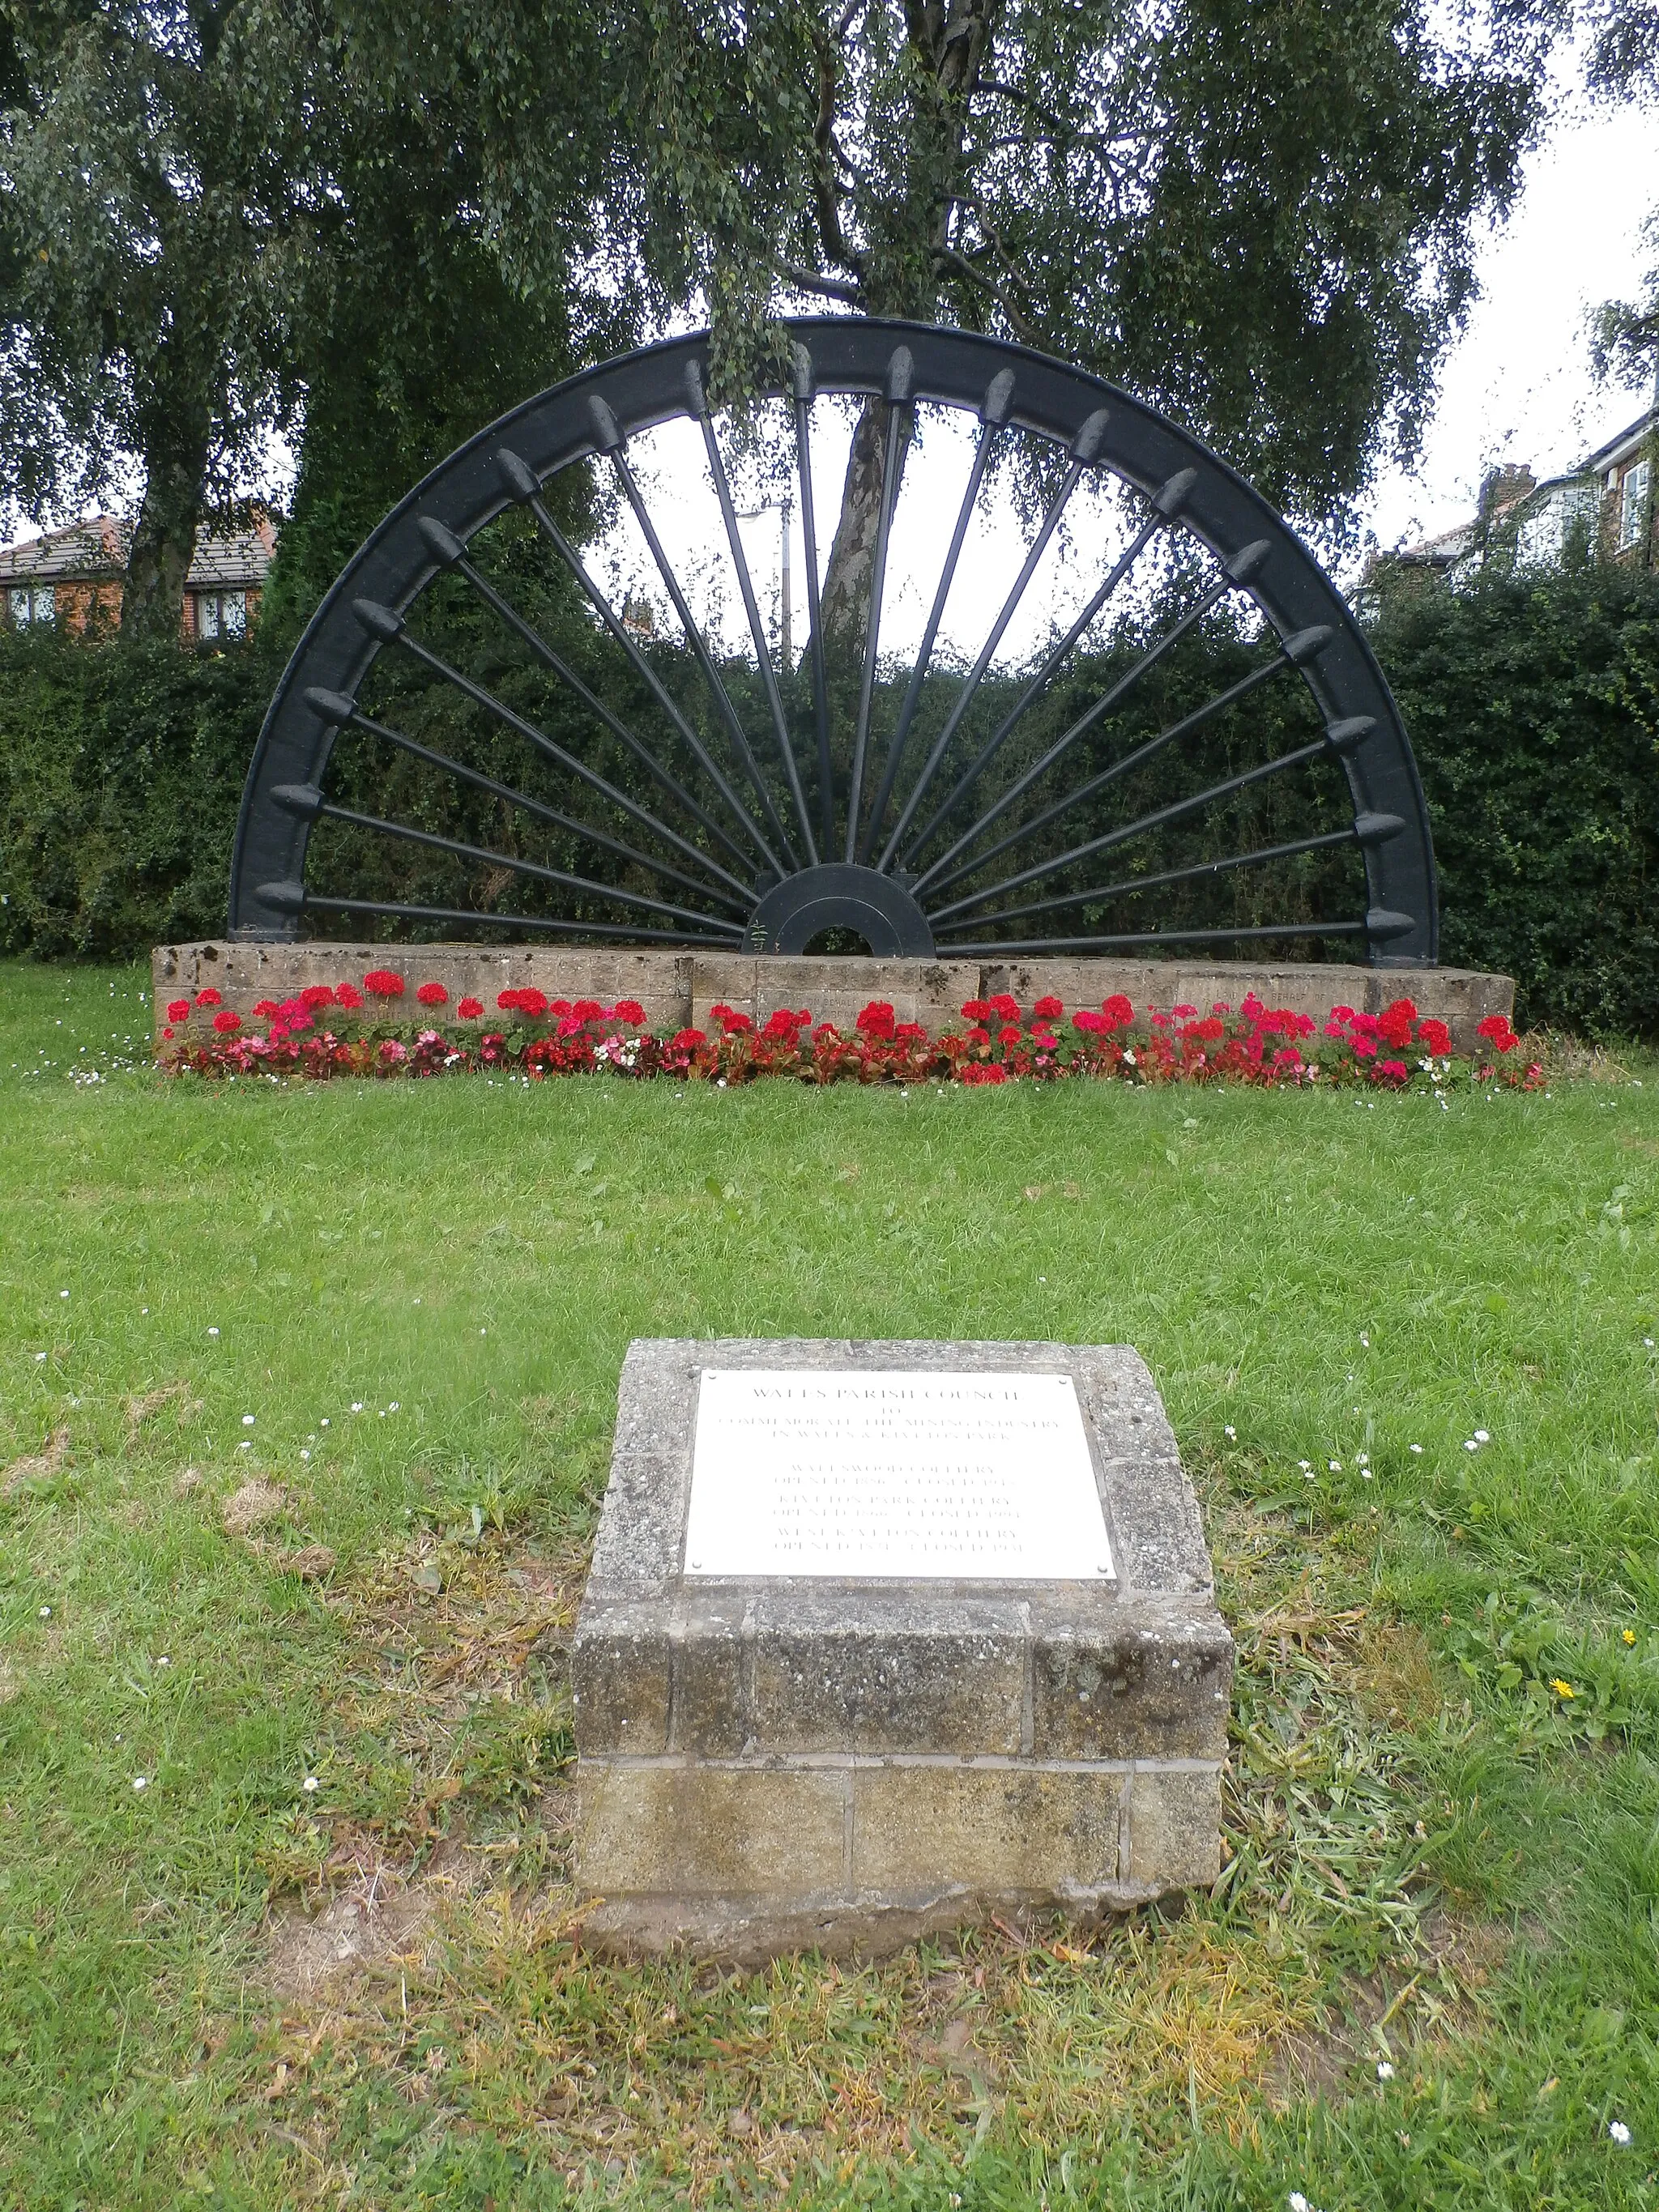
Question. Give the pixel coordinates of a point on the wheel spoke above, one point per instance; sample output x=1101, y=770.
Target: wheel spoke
x=994, y=950
x=757, y=627
x=1168, y=504
x=993, y=415
x=1294, y=651
x=610, y=439
x=900, y=369
x=1085, y=446
x=334, y=707
x=328, y=812
x=1128, y=886
x=630, y=931
x=1251, y=559
x=1320, y=748
x=521, y=482
x=447, y=548
x=802, y=399
x=381, y=623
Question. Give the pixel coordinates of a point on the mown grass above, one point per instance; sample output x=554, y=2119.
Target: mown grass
x=1437, y=1862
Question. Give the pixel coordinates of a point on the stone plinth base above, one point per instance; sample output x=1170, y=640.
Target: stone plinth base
x=677, y=988
x=770, y=1764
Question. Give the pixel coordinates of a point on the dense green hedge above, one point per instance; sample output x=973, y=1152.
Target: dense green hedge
x=1534, y=706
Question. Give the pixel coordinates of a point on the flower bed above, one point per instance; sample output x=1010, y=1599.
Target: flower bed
x=344, y=1030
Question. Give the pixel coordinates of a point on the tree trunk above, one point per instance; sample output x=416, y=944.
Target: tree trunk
x=847, y=580
x=176, y=436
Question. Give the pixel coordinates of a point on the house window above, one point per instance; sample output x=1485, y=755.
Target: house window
x=32, y=603
x=221, y=614
x=1633, y=504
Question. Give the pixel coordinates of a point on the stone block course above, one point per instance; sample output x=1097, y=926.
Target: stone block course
x=678, y=988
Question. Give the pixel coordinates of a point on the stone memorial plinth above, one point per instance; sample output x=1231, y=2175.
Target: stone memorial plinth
x=882, y=1637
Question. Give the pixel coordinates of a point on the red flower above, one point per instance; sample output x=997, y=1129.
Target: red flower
x=166, y=1033
x=208, y=998
x=1009, y=1033
x=1333, y=1029
x=507, y=1000
x=1434, y=1038
x=992, y=1073
x=1118, y=1011
x=1391, y=1071
x=1183, y=1013
x=315, y=995
x=976, y=1010
x=1405, y=1007
x=1005, y=1008
x=384, y=984
x=268, y=1006
x=227, y=1023
x=560, y=1006
x=687, y=1040
x=178, y=1010
x=432, y=994
x=348, y=996
x=1395, y=1027
x=1091, y=1024
x=1047, y=1010
x=1496, y=1029
x=977, y=1035
x=584, y=1010
x=876, y=1021
x=630, y=1011
x=1208, y=1032
x=470, y=1009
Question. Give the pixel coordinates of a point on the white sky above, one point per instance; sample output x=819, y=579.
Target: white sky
x=1517, y=385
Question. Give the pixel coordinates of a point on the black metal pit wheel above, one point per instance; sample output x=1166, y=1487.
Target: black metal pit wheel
x=666, y=790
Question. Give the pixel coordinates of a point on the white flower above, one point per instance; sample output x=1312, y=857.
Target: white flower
x=484, y=1332
x=1417, y=1447
x=1365, y=1474
x=304, y=1454
x=1298, y=2201
x=143, y=1309
x=1305, y=1465
x=62, y=1294
x=1647, y=1340
x=1365, y=1340
x=1384, y=2071
x=1481, y=1437
x=1230, y=1430
x=164, y=1660
x=1620, y=2133
x=141, y=1782
x=357, y=1405
x=246, y=1444
x=247, y=1420
x=1335, y=1465
x=213, y=1332
x=1469, y=1444
x=45, y=1613
x=1362, y=1459
x=310, y=1784
x=325, y=1420
x=40, y=1355
x=392, y=1407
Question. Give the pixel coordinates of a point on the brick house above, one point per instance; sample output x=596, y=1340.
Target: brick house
x=73, y=578
x=1607, y=502
x=1623, y=470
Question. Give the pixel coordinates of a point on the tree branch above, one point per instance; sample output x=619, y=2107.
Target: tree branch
x=832, y=288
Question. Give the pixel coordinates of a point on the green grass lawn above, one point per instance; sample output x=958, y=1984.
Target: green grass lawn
x=1428, y=1976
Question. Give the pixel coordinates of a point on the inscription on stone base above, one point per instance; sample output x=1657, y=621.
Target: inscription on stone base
x=893, y=1474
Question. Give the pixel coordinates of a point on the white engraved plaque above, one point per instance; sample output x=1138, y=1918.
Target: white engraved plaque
x=879, y=1474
